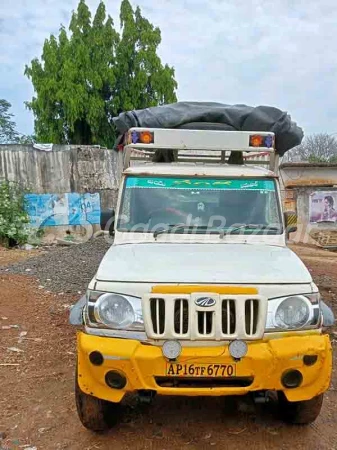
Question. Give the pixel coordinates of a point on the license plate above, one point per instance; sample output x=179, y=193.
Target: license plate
x=201, y=370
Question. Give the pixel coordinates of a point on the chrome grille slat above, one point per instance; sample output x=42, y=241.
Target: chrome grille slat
x=228, y=310
x=181, y=315
x=205, y=323
x=157, y=311
x=228, y=315
x=251, y=316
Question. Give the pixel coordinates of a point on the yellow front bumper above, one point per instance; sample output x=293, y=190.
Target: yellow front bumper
x=265, y=362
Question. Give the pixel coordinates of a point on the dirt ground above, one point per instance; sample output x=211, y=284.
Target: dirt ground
x=8, y=256
x=37, y=409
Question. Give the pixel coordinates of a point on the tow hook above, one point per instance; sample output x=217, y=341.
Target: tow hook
x=145, y=397
x=261, y=397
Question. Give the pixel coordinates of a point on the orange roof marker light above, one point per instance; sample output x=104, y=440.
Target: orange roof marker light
x=141, y=137
x=257, y=140
x=146, y=137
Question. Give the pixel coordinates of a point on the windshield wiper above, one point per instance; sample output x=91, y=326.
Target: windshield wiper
x=173, y=228
x=251, y=226
x=248, y=226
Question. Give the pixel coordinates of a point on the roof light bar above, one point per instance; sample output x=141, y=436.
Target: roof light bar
x=156, y=138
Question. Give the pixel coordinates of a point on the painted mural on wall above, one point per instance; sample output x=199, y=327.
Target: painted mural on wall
x=323, y=207
x=47, y=210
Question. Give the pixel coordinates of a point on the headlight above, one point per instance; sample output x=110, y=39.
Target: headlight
x=293, y=312
x=114, y=311
x=117, y=311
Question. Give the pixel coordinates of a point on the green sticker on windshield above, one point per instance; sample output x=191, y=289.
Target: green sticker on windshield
x=200, y=183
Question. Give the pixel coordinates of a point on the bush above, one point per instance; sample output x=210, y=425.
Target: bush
x=14, y=220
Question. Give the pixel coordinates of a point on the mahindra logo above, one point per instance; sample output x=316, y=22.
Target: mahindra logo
x=207, y=302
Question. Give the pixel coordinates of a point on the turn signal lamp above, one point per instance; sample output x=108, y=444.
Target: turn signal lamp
x=146, y=137
x=256, y=140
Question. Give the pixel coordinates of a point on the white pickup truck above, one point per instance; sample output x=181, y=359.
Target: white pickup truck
x=199, y=293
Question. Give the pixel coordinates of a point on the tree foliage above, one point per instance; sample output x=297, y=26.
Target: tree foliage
x=92, y=73
x=8, y=134
x=318, y=148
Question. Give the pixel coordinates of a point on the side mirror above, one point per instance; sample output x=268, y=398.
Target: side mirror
x=290, y=219
x=108, y=220
x=76, y=312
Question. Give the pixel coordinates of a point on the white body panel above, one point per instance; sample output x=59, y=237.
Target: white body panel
x=202, y=263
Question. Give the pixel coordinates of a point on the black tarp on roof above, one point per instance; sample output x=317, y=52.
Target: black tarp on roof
x=201, y=115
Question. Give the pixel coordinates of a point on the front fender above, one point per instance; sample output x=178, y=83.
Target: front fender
x=76, y=312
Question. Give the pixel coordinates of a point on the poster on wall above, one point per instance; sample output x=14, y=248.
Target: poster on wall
x=48, y=210
x=323, y=207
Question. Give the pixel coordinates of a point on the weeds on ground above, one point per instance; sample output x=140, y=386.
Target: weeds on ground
x=14, y=220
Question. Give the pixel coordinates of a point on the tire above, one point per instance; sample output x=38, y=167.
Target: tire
x=95, y=414
x=300, y=413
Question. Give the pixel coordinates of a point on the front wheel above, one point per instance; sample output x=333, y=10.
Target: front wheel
x=300, y=413
x=95, y=414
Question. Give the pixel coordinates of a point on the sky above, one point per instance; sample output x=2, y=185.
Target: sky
x=273, y=52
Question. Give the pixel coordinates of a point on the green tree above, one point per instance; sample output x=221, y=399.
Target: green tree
x=26, y=139
x=91, y=74
x=8, y=134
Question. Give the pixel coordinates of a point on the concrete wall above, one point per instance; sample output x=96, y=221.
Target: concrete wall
x=298, y=182
x=305, y=174
x=64, y=169
x=67, y=168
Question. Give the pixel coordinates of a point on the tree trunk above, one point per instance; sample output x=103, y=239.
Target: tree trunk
x=81, y=134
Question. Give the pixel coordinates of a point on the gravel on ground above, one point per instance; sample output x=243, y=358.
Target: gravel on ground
x=67, y=269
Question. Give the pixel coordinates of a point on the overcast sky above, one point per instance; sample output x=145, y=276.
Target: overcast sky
x=275, y=52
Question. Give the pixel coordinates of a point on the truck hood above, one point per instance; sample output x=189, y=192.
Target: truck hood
x=202, y=263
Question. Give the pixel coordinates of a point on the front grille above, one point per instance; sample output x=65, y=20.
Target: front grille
x=228, y=316
x=183, y=317
x=157, y=306
x=205, y=322
x=185, y=382
x=251, y=316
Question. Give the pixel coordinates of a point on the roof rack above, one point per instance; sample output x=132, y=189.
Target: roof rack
x=202, y=146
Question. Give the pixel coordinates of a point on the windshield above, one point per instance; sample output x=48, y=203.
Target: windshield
x=150, y=204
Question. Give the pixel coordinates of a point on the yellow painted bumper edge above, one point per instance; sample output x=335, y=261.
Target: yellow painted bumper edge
x=265, y=362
